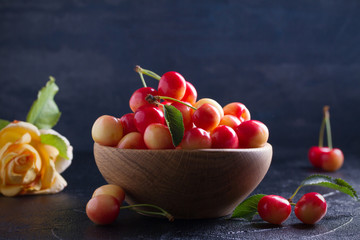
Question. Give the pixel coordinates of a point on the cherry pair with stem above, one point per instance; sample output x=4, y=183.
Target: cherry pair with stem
x=310, y=209
x=275, y=209
x=104, y=206
x=326, y=158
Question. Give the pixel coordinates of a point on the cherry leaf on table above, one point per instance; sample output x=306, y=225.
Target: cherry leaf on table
x=57, y=142
x=44, y=113
x=3, y=123
x=174, y=121
x=248, y=208
x=330, y=182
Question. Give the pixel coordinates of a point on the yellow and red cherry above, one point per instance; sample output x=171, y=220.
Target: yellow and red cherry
x=172, y=84
x=237, y=109
x=110, y=189
x=224, y=137
x=252, y=134
x=104, y=205
x=157, y=136
x=132, y=140
x=274, y=209
x=332, y=159
x=107, y=130
x=103, y=209
x=311, y=208
x=137, y=99
x=212, y=102
x=190, y=95
x=196, y=138
x=230, y=120
x=128, y=123
x=146, y=115
x=314, y=156
x=186, y=112
x=206, y=117
x=327, y=158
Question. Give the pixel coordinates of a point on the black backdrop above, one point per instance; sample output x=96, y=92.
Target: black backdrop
x=283, y=59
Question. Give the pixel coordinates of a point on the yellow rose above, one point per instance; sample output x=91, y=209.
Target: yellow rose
x=28, y=166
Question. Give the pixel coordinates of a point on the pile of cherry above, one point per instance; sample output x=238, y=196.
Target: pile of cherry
x=206, y=124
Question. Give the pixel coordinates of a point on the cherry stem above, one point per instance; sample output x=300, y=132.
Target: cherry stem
x=296, y=191
x=175, y=100
x=147, y=72
x=321, y=135
x=328, y=128
x=161, y=212
x=142, y=79
x=156, y=100
x=153, y=99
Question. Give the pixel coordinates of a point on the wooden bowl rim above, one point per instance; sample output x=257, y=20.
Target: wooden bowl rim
x=267, y=146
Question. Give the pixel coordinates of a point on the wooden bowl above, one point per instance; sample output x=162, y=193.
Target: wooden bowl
x=190, y=184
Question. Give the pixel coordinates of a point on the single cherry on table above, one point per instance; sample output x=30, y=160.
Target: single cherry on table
x=327, y=158
x=311, y=208
x=274, y=209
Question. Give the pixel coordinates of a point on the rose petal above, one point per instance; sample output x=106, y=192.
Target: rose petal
x=15, y=131
x=10, y=191
x=48, y=175
x=58, y=185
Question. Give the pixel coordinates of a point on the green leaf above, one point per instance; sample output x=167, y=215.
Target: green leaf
x=248, y=208
x=57, y=142
x=44, y=113
x=333, y=183
x=3, y=123
x=174, y=121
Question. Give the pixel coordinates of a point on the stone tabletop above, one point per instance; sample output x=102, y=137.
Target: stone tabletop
x=62, y=216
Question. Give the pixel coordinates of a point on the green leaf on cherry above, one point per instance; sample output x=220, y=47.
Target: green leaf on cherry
x=44, y=113
x=3, y=123
x=330, y=182
x=174, y=121
x=57, y=142
x=248, y=208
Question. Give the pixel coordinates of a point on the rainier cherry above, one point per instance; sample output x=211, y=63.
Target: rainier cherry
x=327, y=158
x=206, y=117
x=190, y=94
x=212, y=102
x=132, y=140
x=274, y=209
x=157, y=136
x=230, y=120
x=103, y=209
x=237, y=109
x=172, y=84
x=111, y=189
x=311, y=208
x=196, y=138
x=147, y=115
x=137, y=99
x=128, y=123
x=252, y=134
x=107, y=130
x=104, y=205
x=224, y=137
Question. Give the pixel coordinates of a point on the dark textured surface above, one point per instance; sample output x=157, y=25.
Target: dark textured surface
x=62, y=216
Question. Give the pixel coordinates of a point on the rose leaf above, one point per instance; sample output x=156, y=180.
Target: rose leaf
x=57, y=142
x=44, y=113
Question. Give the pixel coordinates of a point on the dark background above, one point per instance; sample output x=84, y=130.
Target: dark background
x=283, y=59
